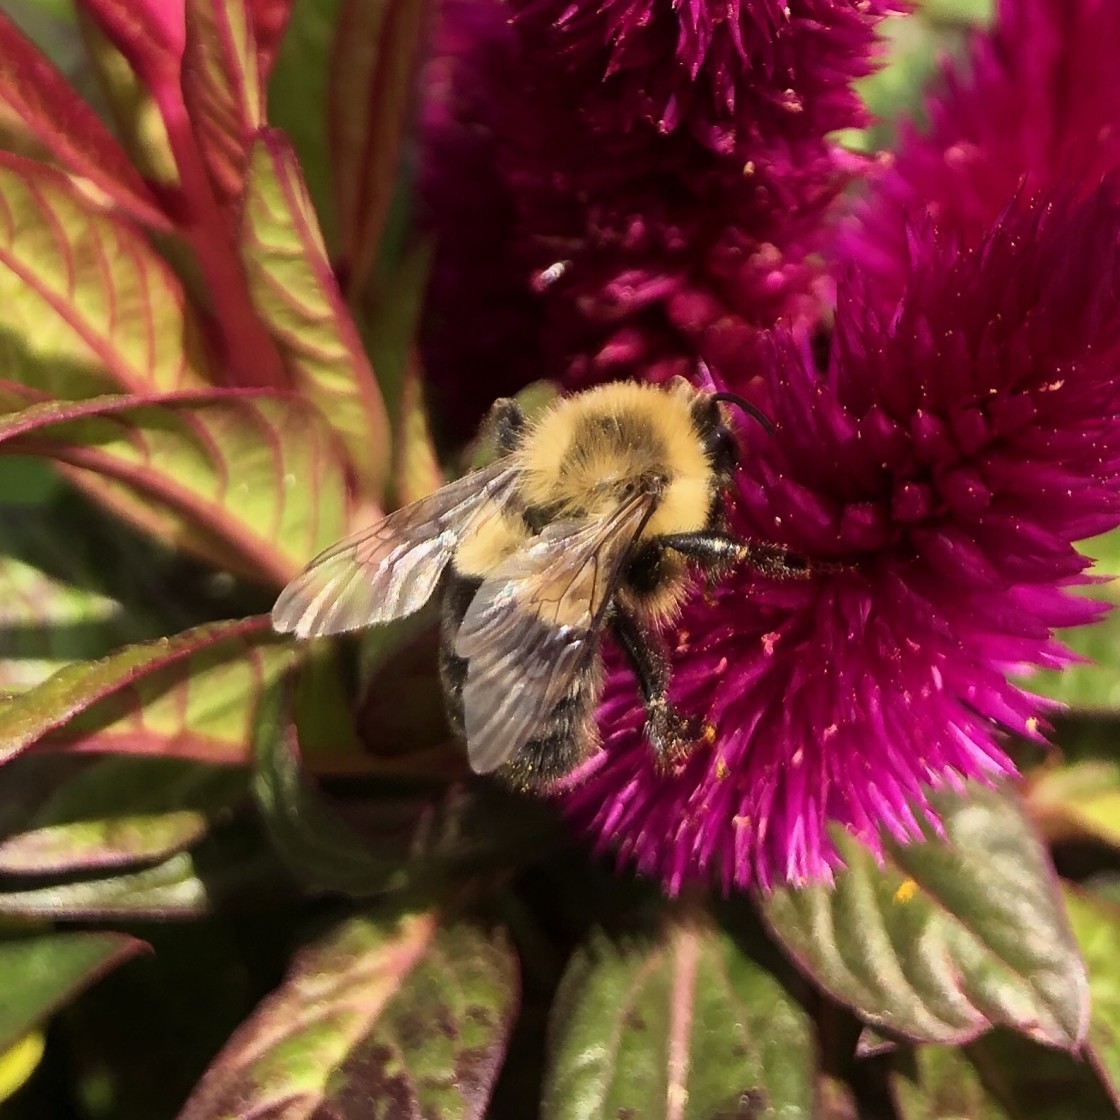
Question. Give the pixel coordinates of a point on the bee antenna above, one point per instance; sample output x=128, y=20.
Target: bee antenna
x=747, y=407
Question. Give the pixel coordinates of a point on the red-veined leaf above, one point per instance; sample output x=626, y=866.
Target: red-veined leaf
x=136, y=117
x=43, y=973
x=86, y=304
x=191, y=695
x=930, y=944
x=149, y=33
x=33, y=90
x=370, y=93
x=222, y=90
x=270, y=18
x=404, y=1017
x=295, y=293
x=251, y=481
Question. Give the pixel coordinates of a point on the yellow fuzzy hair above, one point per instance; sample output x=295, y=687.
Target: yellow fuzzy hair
x=565, y=463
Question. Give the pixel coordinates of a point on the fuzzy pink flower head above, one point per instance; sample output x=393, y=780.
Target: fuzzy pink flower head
x=572, y=250
x=1036, y=105
x=946, y=460
x=734, y=74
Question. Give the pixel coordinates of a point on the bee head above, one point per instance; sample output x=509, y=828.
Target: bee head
x=720, y=443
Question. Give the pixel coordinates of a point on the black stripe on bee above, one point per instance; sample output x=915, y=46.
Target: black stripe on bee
x=567, y=735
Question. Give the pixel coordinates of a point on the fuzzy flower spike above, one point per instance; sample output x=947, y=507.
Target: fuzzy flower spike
x=733, y=74
x=952, y=452
x=1036, y=106
x=617, y=191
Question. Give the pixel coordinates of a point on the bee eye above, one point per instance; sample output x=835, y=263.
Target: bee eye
x=723, y=450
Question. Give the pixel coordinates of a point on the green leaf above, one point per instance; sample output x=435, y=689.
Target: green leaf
x=315, y=842
x=297, y=99
x=120, y=811
x=947, y=937
x=370, y=94
x=391, y=1016
x=193, y=694
x=968, y=12
x=1094, y=685
x=684, y=1026
x=1097, y=926
x=1078, y=800
x=392, y=324
x=247, y=480
x=41, y=974
x=940, y=1083
x=416, y=467
x=914, y=44
x=138, y=1042
x=1033, y=1082
x=87, y=306
x=418, y=829
x=229, y=872
x=71, y=587
x=295, y=293
x=1000, y=1077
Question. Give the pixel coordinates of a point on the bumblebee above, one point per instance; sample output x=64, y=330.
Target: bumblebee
x=588, y=522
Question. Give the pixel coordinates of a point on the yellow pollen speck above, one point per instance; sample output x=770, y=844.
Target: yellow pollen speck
x=906, y=890
x=722, y=769
x=741, y=822
x=1032, y=724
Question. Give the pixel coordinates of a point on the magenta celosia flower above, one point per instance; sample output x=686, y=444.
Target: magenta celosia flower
x=580, y=241
x=738, y=76
x=1036, y=105
x=950, y=455
x=638, y=206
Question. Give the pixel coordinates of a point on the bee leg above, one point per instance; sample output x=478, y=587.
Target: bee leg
x=719, y=551
x=506, y=423
x=670, y=734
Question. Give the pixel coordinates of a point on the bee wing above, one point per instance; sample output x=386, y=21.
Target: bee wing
x=534, y=624
x=390, y=569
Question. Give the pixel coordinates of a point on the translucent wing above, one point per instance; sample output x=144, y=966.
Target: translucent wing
x=534, y=625
x=390, y=569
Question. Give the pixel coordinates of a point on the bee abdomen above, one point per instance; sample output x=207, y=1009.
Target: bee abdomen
x=566, y=736
x=566, y=739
